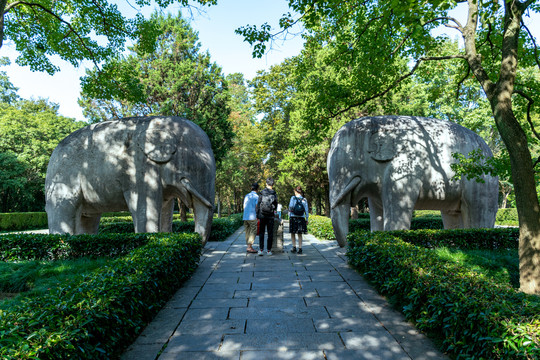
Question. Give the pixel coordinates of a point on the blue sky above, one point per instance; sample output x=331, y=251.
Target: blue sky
x=216, y=27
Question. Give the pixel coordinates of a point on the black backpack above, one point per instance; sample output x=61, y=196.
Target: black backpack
x=298, y=208
x=267, y=208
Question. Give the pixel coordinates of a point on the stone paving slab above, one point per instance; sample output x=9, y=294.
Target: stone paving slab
x=283, y=326
x=286, y=306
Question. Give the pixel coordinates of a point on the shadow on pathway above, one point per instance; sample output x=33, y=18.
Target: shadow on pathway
x=284, y=306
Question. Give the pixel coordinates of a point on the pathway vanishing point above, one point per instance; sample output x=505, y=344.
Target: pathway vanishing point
x=284, y=306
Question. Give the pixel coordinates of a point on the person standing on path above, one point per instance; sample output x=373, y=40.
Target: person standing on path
x=298, y=218
x=250, y=217
x=266, y=206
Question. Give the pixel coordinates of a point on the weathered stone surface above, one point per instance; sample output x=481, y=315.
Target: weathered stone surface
x=402, y=163
x=138, y=164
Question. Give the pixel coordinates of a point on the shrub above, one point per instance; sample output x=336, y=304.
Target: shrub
x=17, y=247
x=473, y=316
x=100, y=314
x=321, y=227
x=507, y=217
x=498, y=238
x=23, y=221
x=222, y=228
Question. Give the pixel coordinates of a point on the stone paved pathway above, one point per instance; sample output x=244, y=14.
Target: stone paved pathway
x=284, y=306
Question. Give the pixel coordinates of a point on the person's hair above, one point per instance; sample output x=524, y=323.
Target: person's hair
x=270, y=181
x=298, y=189
x=254, y=186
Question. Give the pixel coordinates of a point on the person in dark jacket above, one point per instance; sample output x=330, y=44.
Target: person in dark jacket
x=266, y=207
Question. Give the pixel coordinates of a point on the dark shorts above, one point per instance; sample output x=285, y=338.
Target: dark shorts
x=297, y=225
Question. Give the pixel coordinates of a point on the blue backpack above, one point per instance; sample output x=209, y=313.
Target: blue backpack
x=298, y=208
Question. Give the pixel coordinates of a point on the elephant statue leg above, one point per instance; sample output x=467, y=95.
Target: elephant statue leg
x=479, y=204
x=452, y=219
x=167, y=216
x=375, y=214
x=145, y=208
x=87, y=224
x=399, y=199
x=63, y=209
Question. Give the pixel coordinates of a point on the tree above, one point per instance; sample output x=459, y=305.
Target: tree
x=29, y=132
x=242, y=165
x=12, y=182
x=174, y=79
x=75, y=30
x=370, y=38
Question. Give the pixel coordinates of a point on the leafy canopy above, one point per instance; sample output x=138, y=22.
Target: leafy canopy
x=75, y=30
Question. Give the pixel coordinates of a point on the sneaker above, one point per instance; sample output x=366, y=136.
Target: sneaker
x=293, y=250
x=300, y=251
x=260, y=253
x=269, y=252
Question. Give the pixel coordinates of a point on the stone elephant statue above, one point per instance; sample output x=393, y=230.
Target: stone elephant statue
x=140, y=164
x=402, y=163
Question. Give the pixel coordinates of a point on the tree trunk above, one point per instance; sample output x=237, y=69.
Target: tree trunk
x=183, y=212
x=354, y=212
x=500, y=98
x=527, y=204
x=327, y=200
x=218, y=206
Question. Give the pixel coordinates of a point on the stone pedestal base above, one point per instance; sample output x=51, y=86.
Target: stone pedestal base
x=277, y=246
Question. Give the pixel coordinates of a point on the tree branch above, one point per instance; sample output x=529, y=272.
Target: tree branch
x=529, y=106
x=472, y=57
x=2, y=12
x=398, y=81
x=534, y=43
x=50, y=12
x=462, y=80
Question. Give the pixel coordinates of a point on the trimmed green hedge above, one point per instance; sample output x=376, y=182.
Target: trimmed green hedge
x=23, y=221
x=507, y=217
x=472, y=316
x=321, y=226
x=222, y=228
x=17, y=247
x=100, y=314
x=498, y=238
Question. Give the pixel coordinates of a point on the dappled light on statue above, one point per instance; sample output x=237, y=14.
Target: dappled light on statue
x=403, y=163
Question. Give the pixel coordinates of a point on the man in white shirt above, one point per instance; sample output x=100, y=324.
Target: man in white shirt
x=250, y=217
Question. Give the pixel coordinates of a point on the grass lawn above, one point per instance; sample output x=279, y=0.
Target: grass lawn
x=500, y=265
x=36, y=277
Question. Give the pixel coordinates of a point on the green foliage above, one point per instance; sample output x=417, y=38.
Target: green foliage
x=12, y=180
x=470, y=314
x=501, y=265
x=222, y=228
x=242, y=165
x=70, y=29
x=101, y=313
x=507, y=217
x=38, y=277
x=19, y=247
x=172, y=78
x=321, y=227
x=8, y=92
x=31, y=129
x=23, y=221
x=475, y=165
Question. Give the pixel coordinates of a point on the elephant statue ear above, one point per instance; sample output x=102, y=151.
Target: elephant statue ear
x=158, y=146
x=382, y=146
